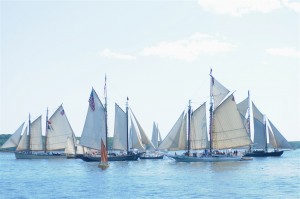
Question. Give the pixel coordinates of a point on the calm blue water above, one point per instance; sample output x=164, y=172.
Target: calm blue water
x=261, y=178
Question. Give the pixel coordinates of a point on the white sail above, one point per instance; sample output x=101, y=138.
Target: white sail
x=198, y=135
x=281, y=142
x=70, y=146
x=272, y=139
x=13, y=141
x=219, y=92
x=260, y=137
x=94, y=127
x=176, y=138
x=136, y=140
x=154, y=137
x=120, y=130
x=79, y=149
x=145, y=140
x=229, y=130
x=23, y=144
x=58, y=130
x=243, y=108
x=36, y=142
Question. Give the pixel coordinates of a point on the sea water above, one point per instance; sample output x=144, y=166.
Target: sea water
x=270, y=177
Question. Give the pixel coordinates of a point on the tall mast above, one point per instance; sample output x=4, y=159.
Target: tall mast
x=127, y=124
x=211, y=111
x=29, y=124
x=46, y=132
x=248, y=119
x=105, y=107
x=189, y=128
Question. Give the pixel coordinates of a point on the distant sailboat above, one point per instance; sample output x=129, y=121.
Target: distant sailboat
x=58, y=129
x=156, y=136
x=104, y=160
x=226, y=129
x=263, y=128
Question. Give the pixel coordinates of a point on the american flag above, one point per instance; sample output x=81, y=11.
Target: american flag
x=49, y=124
x=92, y=102
x=62, y=112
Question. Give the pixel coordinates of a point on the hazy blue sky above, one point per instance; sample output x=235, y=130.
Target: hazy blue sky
x=158, y=53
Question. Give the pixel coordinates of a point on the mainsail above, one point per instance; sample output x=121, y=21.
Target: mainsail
x=120, y=130
x=35, y=133
x=13, y=141
x=94, y=127
x=260, y=137
x=176, y=138
x=228, y=128
x=198, y=136
x=58, y=130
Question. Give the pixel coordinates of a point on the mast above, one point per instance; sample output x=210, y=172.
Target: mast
x=105, y=107
x=46, y=132
x=248, y=119
x=29, y=123
x=127, y=124
x=189, y=128
x=211, y=112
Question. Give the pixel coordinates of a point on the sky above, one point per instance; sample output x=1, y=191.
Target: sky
x=156, y=53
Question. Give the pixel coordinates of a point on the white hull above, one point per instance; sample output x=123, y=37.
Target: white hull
x=39, y=156
x=217, y=158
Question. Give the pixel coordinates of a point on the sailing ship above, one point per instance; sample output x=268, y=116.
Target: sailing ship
x=95, y=129
x=104, y=160
x=58, y=129
x=226, y=130
x=263, y=128
x=156, y=140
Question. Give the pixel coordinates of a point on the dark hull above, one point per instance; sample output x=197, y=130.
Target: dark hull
x=110, y=158
x=264, y=154
x=152, y=157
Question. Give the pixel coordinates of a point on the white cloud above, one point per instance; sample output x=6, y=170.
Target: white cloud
x=286, y=52
x=189, y=49
x=292, y=5
x=114, y=55
x=239, y=7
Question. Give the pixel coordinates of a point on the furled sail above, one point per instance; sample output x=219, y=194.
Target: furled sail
x=281, y=142
x=13, y=141
x=144, y=138
x=58, y=130
x=120, y=131
x=219, y=92
x=198, y=136
x=229, y=130
x=23, y=144
x=176, y=138
x=94, y=127
x=36, y=142
x=260, y=137
x=70, y=146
